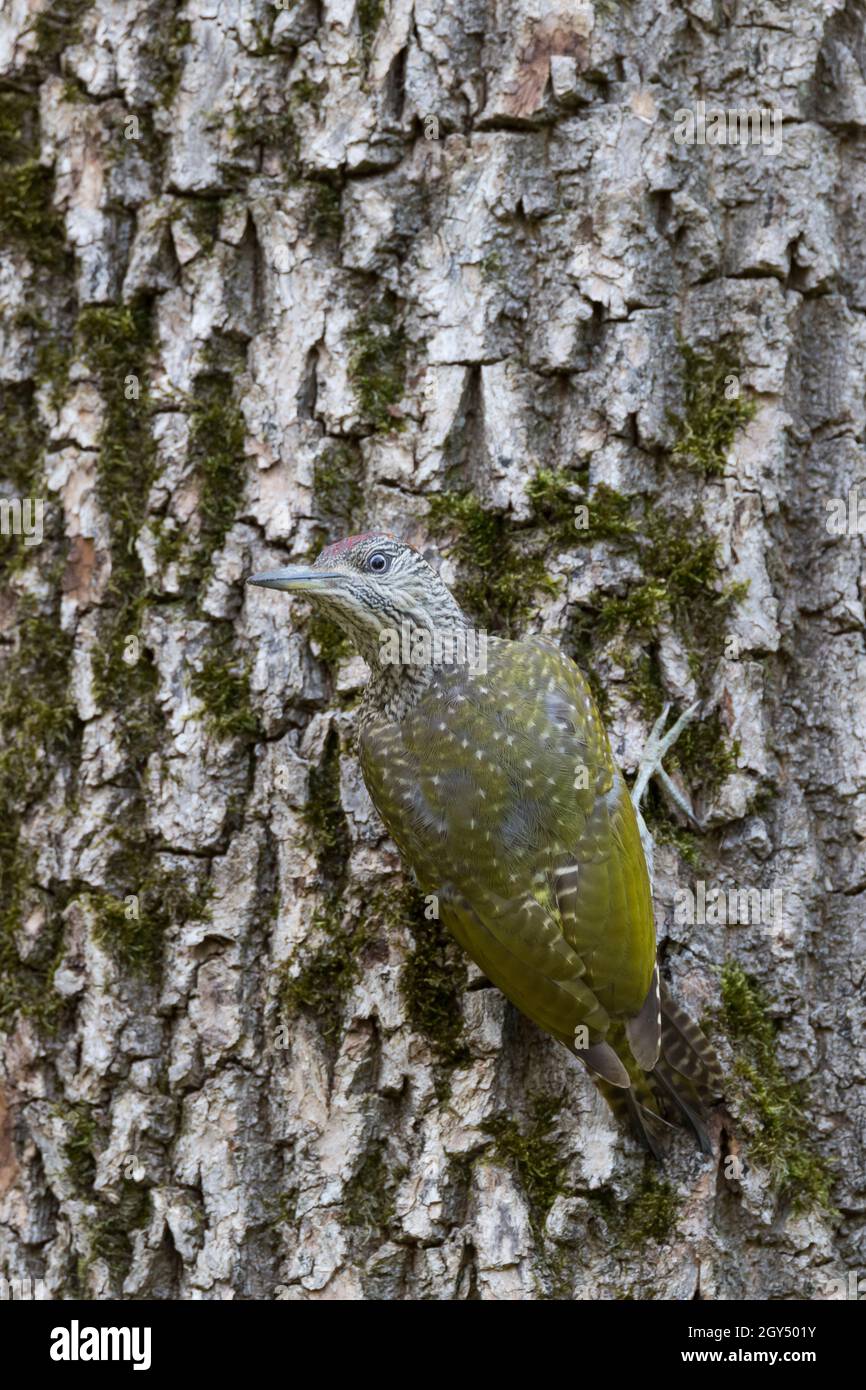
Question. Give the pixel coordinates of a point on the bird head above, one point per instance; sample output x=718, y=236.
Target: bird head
x=374, y=587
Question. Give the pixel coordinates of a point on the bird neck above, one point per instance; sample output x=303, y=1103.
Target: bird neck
x=407, y=663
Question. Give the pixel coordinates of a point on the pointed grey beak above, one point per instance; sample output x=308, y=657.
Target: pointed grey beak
x=295, y=579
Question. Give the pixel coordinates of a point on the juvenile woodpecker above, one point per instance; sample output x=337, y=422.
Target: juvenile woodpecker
x=489, y=765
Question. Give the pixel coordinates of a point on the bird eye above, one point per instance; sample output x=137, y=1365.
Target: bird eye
x=378, y=562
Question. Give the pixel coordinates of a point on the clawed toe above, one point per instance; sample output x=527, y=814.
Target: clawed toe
x=657, y=746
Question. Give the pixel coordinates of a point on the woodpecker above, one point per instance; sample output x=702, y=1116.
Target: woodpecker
x=488, y=762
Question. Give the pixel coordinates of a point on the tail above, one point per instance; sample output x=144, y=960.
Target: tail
x=679, y=1090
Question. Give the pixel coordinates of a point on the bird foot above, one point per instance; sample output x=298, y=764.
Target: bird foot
x=657, y=746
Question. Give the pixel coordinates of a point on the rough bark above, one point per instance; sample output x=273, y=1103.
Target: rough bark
x=270, y=274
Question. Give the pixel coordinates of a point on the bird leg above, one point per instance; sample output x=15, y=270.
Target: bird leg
x=657, y=745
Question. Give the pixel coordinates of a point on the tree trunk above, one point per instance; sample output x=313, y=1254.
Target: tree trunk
x=483, y=275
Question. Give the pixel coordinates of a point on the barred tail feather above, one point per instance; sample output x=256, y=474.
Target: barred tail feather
x=680, y=1089
x=687, y=1051
x=663, y=1076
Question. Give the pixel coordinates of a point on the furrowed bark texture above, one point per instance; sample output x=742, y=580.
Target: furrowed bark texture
x=270, y=275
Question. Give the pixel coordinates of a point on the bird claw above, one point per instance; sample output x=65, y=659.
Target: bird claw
x=657, y=746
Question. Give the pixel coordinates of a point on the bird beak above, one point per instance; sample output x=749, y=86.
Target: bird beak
x=296, y=579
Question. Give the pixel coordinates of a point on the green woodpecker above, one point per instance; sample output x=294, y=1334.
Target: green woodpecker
x=488, y=762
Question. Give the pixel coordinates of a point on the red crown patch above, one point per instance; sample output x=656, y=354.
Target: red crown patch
x=340, y=547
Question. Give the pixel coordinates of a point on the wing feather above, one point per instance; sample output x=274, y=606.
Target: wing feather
x=501, y=792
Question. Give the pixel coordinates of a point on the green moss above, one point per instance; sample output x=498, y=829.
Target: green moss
x=23, y=438
x=28, y=218
x=370, y=14
x=498, y=579
x=502, y=568
x=134, y=939
x=762, y=801
x=327, y=638
x=325, y=211
x=679, y=586
x=325, y=818
x=283, y=1209
x=217, y=435
x=111, y=1231
x=74, y=90
x=377, y=363
x=492, y=266
x=339, y=506
x=39, y=729
x=223, y=686
x=202, y=216
x=275, y=130
x=533, y=1152
x=114, y=341
x=562, y=504
x=703, y=751
x=679, y=561
x=609, y=516
x=368, y=1201
x=320, y=982
x=78, y=1150
x=306, y=92
x=338, y=490
x=580, y=640
x=52, y=349
x=684, y=558
x=165, y=56
x=132, y=923
x=57, y=27
x=169, y=540
x=19, y=125
x=433, y=981
x=112, y=1221
x=710, y=421
x=666, y=831
x=645, y=681
x=780, y=1135
x=53, y=357
x=553, y=494
x=681, y=580
x=641, y=609
x=649, y=1215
